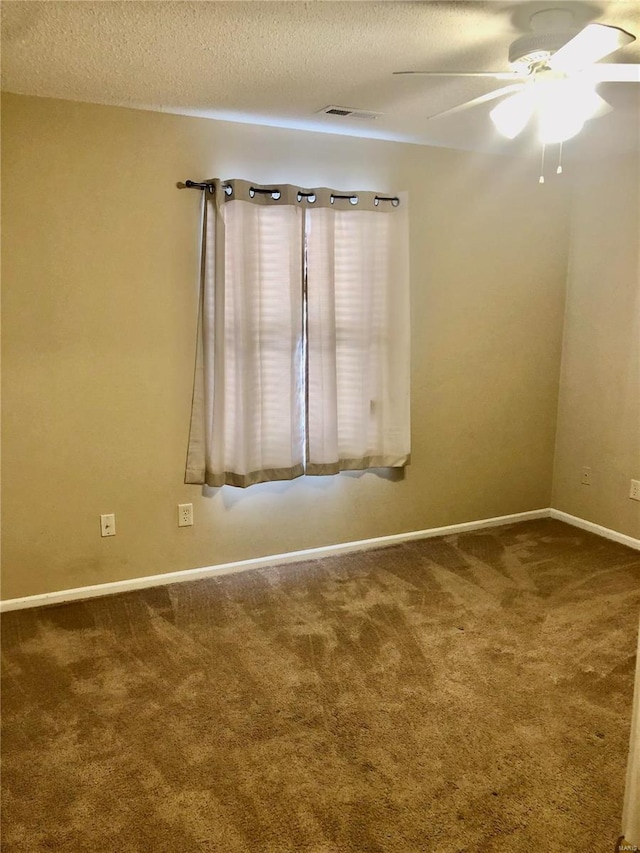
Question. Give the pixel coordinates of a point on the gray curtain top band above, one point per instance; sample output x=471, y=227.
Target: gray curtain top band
x=237, y=189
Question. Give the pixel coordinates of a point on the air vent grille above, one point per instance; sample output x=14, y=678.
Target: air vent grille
x=348, y=112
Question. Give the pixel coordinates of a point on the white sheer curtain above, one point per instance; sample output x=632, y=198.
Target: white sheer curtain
x=300, y=373
x=358, y=335
x=247, y=421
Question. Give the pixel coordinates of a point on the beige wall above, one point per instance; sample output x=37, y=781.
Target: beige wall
x=599, y=407
x=99, y=297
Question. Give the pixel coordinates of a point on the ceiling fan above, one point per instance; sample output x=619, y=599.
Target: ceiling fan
x=554, y=72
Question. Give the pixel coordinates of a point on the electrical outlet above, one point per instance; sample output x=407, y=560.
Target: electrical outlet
x=108, y=524
x=634, y=491
x=185, y=515
x=586, y=477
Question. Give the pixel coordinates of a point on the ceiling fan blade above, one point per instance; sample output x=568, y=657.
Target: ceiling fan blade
x=609, y=72
x=483, y=99
x=495, y=75
x=592, y=43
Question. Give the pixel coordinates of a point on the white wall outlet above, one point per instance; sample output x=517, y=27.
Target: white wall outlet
x=586, y=477
x=185, y=515
x=108, y=524
x=634, y=491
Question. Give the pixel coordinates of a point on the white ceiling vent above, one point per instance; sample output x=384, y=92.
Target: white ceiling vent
x=348, y=112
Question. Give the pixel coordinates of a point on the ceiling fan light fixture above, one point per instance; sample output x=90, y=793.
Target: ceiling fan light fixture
x=558, y=119
x=552, y=129
x=562, y=108
x=586, y=98
x=512, y=115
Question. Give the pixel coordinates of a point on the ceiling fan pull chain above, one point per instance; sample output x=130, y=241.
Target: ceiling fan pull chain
x=541, y=179
x=559, y=169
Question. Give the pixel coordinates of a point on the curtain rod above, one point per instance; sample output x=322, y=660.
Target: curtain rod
x=203, y=185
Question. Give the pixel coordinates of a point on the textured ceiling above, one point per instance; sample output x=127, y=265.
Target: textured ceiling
x=280, y=62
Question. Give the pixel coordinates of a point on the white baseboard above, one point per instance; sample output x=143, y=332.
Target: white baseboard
x=606, y=532
x=84, y=592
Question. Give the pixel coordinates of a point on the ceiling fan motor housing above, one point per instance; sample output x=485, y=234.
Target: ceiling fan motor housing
x=537, y=47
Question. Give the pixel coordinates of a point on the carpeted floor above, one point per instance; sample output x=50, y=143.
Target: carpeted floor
x=467, y=694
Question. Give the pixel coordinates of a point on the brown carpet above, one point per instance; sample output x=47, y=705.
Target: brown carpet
x=457, y=695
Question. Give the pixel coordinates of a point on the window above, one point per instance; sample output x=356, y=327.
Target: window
x=303, y=350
